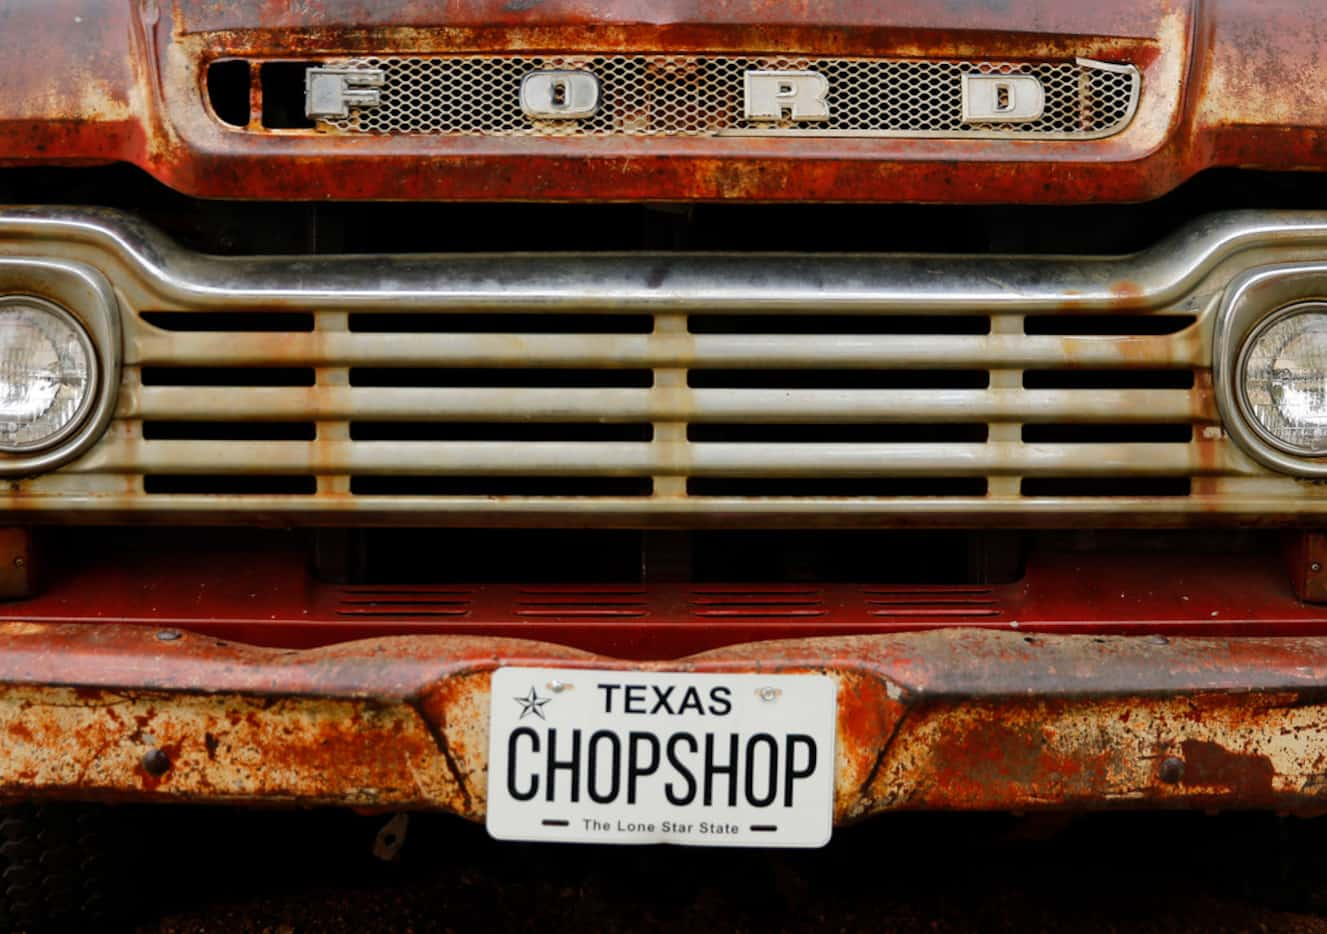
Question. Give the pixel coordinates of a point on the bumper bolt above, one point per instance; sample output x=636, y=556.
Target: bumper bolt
x=156, y=763
x=167, y=635
x=1172, y=770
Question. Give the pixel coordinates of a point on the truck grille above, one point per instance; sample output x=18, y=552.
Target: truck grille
x=685, y=390
x=702, y=96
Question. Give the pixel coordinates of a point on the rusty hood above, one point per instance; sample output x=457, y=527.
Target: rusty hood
x=1223, y=83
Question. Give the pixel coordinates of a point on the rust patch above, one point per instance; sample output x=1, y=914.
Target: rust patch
x=116, y=82
x=1207, y=764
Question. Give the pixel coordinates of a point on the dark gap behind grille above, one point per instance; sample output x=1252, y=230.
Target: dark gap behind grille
x=838, y=379
x=882, y=487
x=1108, y=379
x=431, y=323
x=226, y=376
x=501, y=486
x=228, y=431
x=839, y=324
x=500, y=431
x=514, y=377
x=234, y=321
x=838, y=433
x=1113, y=325
x=228, y=485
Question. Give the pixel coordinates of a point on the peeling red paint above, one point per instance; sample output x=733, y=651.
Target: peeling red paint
x=1222, y=87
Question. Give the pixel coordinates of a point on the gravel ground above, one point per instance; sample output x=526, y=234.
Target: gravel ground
x=229, y=871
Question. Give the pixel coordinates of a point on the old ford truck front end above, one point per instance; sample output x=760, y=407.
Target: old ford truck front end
x=664, y=421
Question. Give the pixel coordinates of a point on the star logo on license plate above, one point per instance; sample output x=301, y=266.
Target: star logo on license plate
x=532, y=703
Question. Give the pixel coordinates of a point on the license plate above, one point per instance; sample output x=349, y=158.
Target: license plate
x=579, y=755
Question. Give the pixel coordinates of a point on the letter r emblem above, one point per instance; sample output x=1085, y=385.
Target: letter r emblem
x=800, y=95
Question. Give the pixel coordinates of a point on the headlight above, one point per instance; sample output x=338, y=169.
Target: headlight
x=48, y=374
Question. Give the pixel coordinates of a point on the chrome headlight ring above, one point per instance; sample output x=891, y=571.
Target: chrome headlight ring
x=1254, y=302
x=82, y=295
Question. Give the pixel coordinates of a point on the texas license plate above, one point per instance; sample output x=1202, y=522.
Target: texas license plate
x=579, y=755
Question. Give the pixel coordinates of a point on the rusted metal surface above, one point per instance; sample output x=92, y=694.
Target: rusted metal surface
x=943, y=720
x=17, y=572
x=266, y=597
x=1226, y=83
x=1306, y=560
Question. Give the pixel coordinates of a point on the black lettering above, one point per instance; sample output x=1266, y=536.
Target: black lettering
x=772, y=788
x=790, y=771
x=721, y=701
x=634, y=769
x=592, y=781
x=661, y=699
x=681, y=769
x=511, y=764
x=635, y=698
x=712, y=768
x=608, y=690
x=691, y=702
x=572, y=765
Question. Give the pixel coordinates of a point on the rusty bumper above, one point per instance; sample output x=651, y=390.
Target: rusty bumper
x=948, y=719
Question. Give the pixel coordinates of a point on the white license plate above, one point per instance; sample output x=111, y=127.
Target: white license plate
x=588, y=756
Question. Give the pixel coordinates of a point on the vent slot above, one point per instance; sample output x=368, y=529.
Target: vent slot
x=501, y=486
x=838, y=379
x=885, y=487
x=429, y=323
x=227, y=485
x=499, y=431
x=228, y=91
x=759, y=602
x=1069, y=487
x=502, y=378
x=1107, y=325
x=923, y=602
x=959, y=433
x=599, y=603
x=230, y=321
x=1108, y=379
x=1171, y=433
x=839, y=324
x=399, y=602
x=283, y=95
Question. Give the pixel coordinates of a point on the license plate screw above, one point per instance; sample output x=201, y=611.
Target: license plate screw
x=768, y=694
x=557, y=687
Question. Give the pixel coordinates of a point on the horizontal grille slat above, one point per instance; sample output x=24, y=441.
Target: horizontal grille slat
x=697, y=459
x=671, y=404
x=662, y=350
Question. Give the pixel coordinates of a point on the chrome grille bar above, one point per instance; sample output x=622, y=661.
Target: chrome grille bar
x=917, y=427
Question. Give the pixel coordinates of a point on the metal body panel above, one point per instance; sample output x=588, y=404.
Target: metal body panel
x=1224, y=85
x=942, y=720
x=432, y=379
x=267, y=597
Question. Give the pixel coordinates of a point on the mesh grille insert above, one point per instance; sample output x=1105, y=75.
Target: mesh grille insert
x=657, y=95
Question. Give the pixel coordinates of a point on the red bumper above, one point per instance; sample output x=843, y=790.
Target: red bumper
x=948, y=719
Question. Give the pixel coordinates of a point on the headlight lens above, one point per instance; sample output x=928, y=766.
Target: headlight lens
x=1284, y=375
x=47, y=373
